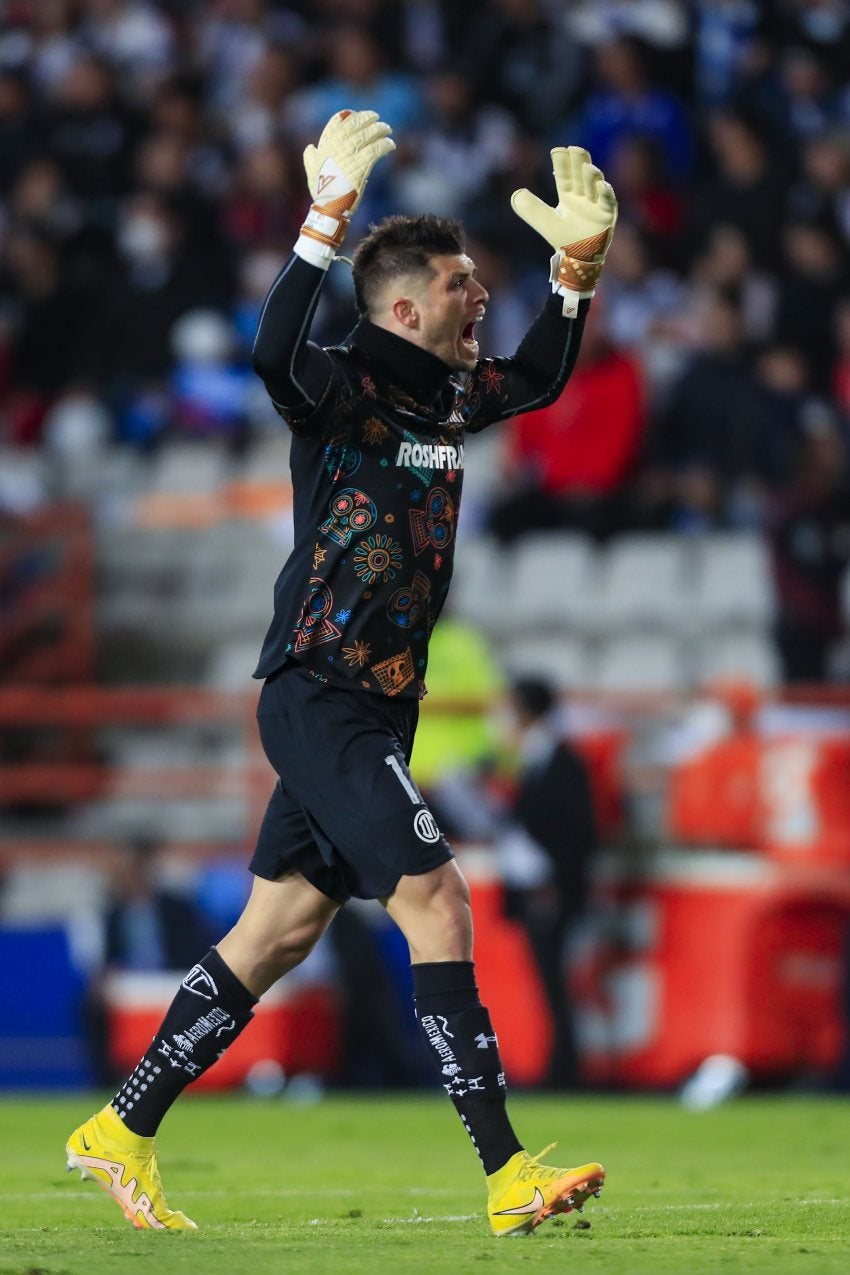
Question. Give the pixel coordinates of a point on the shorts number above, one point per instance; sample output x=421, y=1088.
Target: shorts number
x=393, y=763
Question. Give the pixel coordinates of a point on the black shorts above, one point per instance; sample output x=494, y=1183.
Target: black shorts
x=345, y=812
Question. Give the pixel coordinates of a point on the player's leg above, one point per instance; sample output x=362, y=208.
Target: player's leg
x=283, y=919
x=433, y=912
x=280, y=925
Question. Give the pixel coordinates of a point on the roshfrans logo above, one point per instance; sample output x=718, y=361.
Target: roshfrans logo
x=429, y=456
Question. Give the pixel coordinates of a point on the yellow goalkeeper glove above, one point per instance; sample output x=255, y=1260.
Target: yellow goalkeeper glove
x=580, y=228
x=338, y=169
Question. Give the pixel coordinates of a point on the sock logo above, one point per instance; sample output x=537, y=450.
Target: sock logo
x=445, y=1023
x=200, y=982
x=483, y=1042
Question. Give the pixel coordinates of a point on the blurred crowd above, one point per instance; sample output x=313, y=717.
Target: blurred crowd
x=151, y=179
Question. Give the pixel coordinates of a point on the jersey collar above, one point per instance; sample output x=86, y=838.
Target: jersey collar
x=408, y=366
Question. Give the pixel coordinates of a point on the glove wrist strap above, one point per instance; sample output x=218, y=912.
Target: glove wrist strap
x=325, y=226
x=575, y=270
x=311, y=249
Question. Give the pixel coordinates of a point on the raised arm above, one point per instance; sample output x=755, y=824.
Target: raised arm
x=296, y=372
x=580, y=229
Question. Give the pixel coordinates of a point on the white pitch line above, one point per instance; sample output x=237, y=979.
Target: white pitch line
x=344, y=1192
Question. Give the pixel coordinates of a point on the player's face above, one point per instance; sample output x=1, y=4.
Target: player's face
x=451, y=304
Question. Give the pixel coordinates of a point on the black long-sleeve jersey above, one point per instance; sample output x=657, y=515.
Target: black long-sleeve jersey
x=377, y=469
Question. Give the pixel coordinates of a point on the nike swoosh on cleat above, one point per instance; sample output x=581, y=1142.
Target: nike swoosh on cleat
x=534, y=1204
x=83, y=1140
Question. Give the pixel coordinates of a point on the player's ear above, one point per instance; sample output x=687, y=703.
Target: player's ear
x=406, y=312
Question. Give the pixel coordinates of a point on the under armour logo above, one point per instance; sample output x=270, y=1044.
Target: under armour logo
x=483, y=1042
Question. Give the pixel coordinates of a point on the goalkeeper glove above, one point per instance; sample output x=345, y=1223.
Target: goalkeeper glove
x=338, y=168
x=580, y=228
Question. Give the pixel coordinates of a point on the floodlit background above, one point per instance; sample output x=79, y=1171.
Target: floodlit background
x=668, y=544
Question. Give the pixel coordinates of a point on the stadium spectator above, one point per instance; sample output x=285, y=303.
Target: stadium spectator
x=563, y=471
x=811, y=285
x=146, y=927
x=624, y=103
x=706, y=436
x=840, y=380
x=545, y=849
x=822, y=192
x=520, y=56
x=810, y=540
x=355, y=78
x=744, y=190
x=455, y=151
x=45, y=349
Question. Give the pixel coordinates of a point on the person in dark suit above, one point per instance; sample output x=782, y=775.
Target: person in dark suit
x=148, y=927
x=145, y=927
x=545, y=848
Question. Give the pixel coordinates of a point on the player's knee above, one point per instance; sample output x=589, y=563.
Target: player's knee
x=444, y=932
x=290, y=949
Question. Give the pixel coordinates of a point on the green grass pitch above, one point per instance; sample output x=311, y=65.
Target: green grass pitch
x=375, y=1185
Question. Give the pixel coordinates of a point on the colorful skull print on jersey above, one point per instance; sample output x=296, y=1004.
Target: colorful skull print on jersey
x=314, y=626
x=351, y=512
x=435, y=524
x=407, y=604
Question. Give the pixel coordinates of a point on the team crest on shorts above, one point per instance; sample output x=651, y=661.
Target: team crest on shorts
x=425, y=826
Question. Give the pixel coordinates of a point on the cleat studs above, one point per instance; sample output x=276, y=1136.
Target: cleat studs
x=598, y=1192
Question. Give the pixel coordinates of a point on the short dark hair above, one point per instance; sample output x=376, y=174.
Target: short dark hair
x=534, y=696
x=398, y=246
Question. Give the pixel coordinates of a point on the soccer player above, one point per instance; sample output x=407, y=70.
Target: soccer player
x=377, y=460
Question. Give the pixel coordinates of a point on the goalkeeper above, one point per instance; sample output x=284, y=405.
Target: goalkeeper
x=378, y=427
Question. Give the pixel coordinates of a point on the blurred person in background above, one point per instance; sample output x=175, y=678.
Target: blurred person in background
x=147, y=927
x=705, y=437
x=652, y=204
x=530, y=798
x=821, y=193
x=262, y=208
x=743, y=189
x=624, y=103
x=784, y=383
x=840, y=375
x=546, y=844
x=563, y=470
x=161, y=276
x=355, y=76
x=452, y=155
x=91, y=131
x=810, y=542
x=812, y=283
x=46, y=342
x=644, y=306
x=209, y=388
x=519, y=55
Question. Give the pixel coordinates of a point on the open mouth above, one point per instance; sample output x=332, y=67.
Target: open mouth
x=467, y=336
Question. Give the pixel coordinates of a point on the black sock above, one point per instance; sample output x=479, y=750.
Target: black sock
x=209, y=1011
x=461, y=1040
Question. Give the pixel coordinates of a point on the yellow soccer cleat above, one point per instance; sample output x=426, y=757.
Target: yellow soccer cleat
x=124, y=1164
x=523, y=1193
